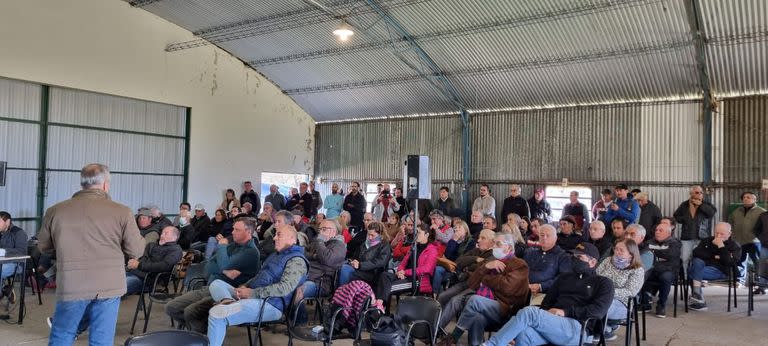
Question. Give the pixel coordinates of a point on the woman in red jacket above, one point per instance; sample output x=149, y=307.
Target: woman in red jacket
x=400, y=281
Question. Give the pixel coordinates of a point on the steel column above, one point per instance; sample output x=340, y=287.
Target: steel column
x=695, y=20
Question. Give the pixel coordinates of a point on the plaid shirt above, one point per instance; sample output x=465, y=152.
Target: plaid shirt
x=485, y=291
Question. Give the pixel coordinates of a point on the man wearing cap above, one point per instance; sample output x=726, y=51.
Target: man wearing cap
x=623, y=206
x=276, y=198
x=567, y=239
x=201, y=222
x=149, y=230
x=743, y=220
x=574, y=297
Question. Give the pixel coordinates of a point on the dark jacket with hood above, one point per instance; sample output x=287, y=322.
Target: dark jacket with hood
x=158, y=258
x=14, y=241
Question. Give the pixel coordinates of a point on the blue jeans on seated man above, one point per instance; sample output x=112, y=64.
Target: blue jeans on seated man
x=661, y=282
x=8, y=270
x=535, y=326
x=248, y=312
x=133, y=283
x=310, y=291
x=72, y=317
x=478, y=314
x=345, y=274
x=211, y=247
x=699, y=271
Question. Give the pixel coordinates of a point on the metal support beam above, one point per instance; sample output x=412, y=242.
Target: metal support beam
x=516, y=66
x=42, y=181
x=466, y=162
x=187, y=136
x=469, y=29
x=695, y=20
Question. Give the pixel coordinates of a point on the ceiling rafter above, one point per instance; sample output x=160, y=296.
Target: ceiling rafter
x=584, y=9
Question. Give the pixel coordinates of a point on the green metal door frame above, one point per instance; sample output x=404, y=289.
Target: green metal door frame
x=42, y=168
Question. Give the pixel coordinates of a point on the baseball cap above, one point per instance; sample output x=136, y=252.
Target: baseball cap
x=199, y=206
x=586, y=249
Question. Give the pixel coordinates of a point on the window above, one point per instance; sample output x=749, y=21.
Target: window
x=371, y=191
x=559, y=196
x=284, y=181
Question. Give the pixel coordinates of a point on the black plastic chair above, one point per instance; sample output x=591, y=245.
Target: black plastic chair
x=32, y=276
x=322, y=296
x=195, y=277
x=160, y=293
x=629, y=321
x=305, y=333
x=732, y=282
x=285, y=319
x=168, y=337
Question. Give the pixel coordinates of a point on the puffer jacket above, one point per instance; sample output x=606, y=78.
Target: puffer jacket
x=425, y=266
x=158, y=258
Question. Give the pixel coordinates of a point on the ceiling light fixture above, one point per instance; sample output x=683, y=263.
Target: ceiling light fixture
x=344, y=31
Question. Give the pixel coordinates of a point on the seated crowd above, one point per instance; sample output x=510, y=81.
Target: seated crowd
x=531, y=279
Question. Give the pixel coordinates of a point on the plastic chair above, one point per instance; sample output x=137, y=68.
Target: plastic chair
x=305, y=332
x=732, y=282
x=168, y=337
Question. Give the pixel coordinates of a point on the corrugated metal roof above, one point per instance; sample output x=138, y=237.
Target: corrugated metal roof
x=498, y=53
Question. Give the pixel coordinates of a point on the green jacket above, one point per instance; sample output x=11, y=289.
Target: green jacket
x=744, y=223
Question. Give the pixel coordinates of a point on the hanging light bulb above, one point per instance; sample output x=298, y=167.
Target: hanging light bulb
x=343, y=32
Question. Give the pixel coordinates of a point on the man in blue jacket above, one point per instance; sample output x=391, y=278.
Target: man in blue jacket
x=623, y=206
x=282, y=273
x=546, y=261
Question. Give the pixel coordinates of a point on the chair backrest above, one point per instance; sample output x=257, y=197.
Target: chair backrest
x=412, y=308
x=168, y=337
x=195, y=273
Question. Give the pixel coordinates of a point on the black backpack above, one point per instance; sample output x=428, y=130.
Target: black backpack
x=388, y=331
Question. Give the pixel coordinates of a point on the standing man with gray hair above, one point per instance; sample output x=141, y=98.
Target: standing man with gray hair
x=90, y=235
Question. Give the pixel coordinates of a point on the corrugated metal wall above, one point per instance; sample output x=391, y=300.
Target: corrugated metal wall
x=656, y=147
x=19, y=147
x=153, y=165
x=376, y=150
x=744, y=142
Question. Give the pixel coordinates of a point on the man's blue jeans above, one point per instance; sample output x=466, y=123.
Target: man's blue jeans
x=345, y=274
x=217, y=327
x=310, y=291
x=534, y=326
x=699, y=271
x=101, y=314
x=134, y=284
x=8, y=270
x=479, y=313
x=437, y=279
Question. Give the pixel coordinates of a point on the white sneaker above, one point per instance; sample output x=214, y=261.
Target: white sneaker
x=49, y=320
x=225, y=310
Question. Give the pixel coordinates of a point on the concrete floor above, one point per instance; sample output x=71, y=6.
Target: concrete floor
x=714, y=327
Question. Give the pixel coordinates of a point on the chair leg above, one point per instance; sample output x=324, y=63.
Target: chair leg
x=643, y=324
x=139, y=305
x=147, y=312
x=735, y=287
x=637, y=327
x=674, y=299
x=250, y=337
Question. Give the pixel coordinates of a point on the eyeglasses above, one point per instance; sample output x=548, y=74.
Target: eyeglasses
x=327, y=228
x=698, y=192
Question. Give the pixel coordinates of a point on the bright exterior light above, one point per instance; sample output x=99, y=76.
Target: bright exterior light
x=343, y=32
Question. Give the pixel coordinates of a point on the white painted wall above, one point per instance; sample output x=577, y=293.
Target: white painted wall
x=241, y=123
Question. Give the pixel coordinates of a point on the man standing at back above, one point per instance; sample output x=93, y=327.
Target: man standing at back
x=90, y=235
x=250, y=196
